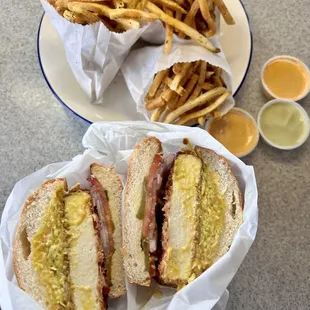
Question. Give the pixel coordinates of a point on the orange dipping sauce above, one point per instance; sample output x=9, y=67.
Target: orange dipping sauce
x=236, y=131
x=286, y=78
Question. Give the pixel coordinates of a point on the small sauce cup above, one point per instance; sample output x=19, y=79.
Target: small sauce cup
x=237, y=131
x=283, y=124
x=285, y=77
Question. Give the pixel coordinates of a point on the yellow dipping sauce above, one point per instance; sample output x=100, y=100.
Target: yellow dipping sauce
x=283, y=124
x=236, y=131
x=286, y=78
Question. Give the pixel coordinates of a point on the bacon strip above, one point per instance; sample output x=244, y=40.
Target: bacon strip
x=106, y=228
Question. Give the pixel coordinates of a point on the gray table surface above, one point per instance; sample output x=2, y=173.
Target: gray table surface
x=36, y=130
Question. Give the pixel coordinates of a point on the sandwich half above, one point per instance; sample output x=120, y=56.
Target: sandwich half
x=106, y=191
x=57, y=256
x=202, y=212
x=140, y=228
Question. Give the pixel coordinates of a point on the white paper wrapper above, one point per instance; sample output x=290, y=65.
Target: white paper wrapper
x=155, y=33
x=141, y=65
x=93, y=52
x=111, y=144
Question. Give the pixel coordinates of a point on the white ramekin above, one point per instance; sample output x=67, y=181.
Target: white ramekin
x=249, y=116
x=269, y=94
x=303, y=112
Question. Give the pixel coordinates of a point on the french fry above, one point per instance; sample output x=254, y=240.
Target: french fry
x=184, y=119
x=92, y=7
x=223, y=82
x=141, y=5
x=132, y=14
x=217, y=81
x=178, y=77
x=194, y=34
x=177, y=68
x=202, y=76
x=128, y=24
x=118, y=4
x=132, y=3
x=201, y=120
x=202, y=99
x=207, y=86
x=167, y=95
x=178, y=16
x=180, y=90
x=170, y=5
x=155, y=103
x=209, y=74
x=171, y=104
x=73, y=17
x=169, y=35
x=224, y=11
x=204, y=9
x=188, y=89
x=156, y=83
x=89, y=17
x=207, y=33
x=157, y=113
x=182, y=3
x=210, y=5
x=191, y=16
x=107, y=23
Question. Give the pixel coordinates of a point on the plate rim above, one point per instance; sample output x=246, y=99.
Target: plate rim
x=90, y=122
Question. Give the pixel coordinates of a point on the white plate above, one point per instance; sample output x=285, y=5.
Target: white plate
x=236, y=42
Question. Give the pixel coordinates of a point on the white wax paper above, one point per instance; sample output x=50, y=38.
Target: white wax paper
x=141, y=65
x=94, y=53
x=112, y=144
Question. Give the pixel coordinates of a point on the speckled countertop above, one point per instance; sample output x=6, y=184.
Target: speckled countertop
x=36, y=130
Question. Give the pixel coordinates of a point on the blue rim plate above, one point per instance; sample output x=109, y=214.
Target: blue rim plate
x=60, y=80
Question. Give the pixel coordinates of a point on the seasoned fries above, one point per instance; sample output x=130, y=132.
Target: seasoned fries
x=193, y=19
x=186, y=92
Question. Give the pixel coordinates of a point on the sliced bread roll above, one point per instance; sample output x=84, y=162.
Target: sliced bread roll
x=112, y=184
x=139, y=166
x=40, y=225
x=57, y=256
x=202, y=213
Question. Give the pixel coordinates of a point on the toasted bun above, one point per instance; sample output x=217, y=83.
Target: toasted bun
x=112, y=183
x=229, y=188
x=28, y=225
x=138, y=169
x=85, y=252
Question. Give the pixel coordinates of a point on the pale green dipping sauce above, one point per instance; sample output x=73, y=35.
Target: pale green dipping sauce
x=283, y=124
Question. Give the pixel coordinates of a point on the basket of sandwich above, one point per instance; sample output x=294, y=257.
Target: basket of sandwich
x=150, y=215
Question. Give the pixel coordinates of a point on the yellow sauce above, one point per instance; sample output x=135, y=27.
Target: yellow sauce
x=49, y=250
x=286, y=78
x=283, y=124
x=211, y=223
x=236, y=131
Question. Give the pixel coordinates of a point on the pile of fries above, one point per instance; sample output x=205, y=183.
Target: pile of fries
x=193, y=19
x=186, y=92
x=116, y=15
x=195, y=15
